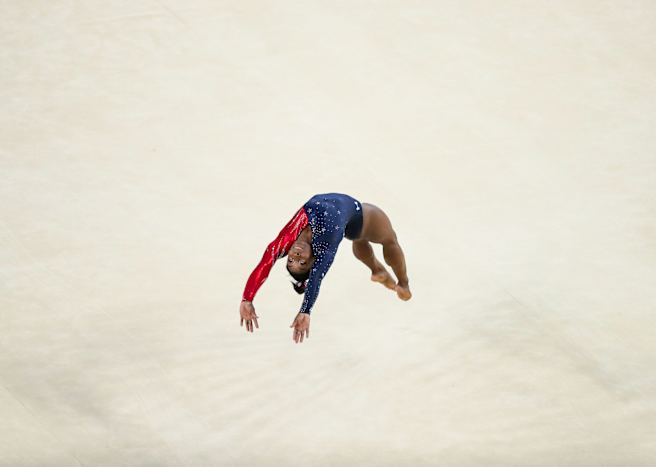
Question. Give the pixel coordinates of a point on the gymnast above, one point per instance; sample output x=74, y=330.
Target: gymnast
x=310, y=240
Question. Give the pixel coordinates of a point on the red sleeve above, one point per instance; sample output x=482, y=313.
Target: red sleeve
x=276, y=249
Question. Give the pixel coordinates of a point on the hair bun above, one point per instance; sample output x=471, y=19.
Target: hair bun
x=299, y=286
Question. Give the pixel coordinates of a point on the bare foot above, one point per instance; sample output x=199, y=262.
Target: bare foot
x=403, y=291
x=384, y=278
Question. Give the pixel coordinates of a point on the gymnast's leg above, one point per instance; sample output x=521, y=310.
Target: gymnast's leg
x=364, y=252
x=377, y=228
x=394, y=257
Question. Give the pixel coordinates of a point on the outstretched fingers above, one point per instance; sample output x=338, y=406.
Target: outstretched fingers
x=249, y=323
x=300, y=332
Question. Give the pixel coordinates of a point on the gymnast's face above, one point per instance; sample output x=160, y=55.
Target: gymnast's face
x=300, y=259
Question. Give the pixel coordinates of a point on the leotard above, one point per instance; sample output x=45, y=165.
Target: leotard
x=331, y=217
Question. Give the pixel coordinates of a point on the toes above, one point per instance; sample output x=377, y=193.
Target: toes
x=403, y=293
x=384, y=278
x=379, y=277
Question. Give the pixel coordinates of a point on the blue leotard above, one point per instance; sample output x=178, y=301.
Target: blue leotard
x=329, y=216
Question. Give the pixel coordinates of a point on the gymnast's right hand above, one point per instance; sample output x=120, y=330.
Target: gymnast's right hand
x=247, y=313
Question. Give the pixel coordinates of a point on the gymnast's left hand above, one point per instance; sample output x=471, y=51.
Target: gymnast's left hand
x=301, y=325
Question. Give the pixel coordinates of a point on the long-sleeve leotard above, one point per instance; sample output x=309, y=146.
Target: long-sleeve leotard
x=328, y=215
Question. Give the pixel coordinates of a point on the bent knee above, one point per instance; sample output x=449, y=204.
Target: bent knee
x=390, y=238
x=362, y=247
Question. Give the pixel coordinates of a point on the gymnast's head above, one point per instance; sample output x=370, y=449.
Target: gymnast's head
x=299, y=262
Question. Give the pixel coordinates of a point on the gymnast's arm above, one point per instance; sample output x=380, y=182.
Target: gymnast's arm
x=278, y=248
x=317, y=273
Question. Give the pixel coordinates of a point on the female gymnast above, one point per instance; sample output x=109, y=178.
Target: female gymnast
x=311, y=239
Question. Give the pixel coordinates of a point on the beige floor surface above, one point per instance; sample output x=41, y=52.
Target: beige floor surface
x=150, y=150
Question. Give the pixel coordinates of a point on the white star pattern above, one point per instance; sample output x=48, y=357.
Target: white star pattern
x=328, y=218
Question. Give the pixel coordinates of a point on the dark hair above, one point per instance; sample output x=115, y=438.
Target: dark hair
x=299, y=285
